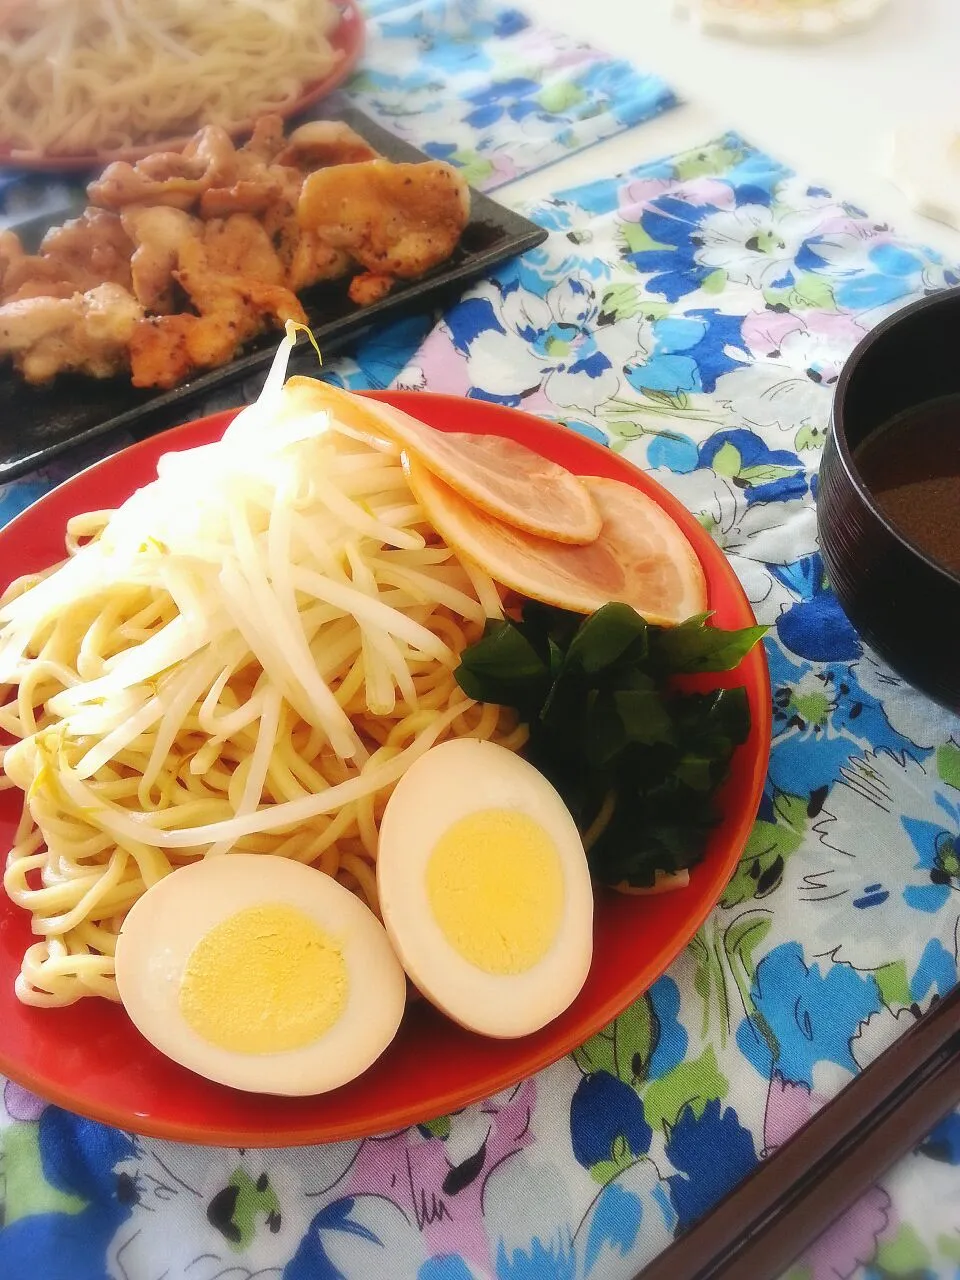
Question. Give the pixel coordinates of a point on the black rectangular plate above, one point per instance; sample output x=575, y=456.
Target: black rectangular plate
x=38, y=423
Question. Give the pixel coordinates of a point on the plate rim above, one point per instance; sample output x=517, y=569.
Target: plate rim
x=348, y=37
x=396, y=1116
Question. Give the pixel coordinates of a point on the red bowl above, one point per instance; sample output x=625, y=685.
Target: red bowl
x=347, y=39
x=91, y=1059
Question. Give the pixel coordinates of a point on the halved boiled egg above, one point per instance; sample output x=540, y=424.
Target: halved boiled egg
x=260, y=973
x=484, y=888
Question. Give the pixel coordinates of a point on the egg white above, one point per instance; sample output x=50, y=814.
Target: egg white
x=457, y=778
x=164, y=926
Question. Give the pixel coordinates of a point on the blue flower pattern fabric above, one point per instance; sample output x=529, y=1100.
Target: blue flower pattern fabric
x=694, y=315
x=481, y=85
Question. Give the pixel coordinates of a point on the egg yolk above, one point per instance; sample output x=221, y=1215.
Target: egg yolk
x=264, y=980
x=495, y=887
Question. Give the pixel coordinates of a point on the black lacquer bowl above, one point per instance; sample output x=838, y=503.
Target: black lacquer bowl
x=904, y=604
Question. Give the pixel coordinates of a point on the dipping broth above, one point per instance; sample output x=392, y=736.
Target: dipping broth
x=912, y=467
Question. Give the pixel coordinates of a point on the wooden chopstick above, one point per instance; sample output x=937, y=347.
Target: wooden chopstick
x=765, y=1223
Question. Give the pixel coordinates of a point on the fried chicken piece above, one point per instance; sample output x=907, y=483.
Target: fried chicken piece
x=240, y=246
x=265, y=143
x=249, y=195
x=172, y=178
x=245, y=302
x=79, y=255
x=234, y=246
x=260, y=180
x=158, y=232
x=307, y=260
x=280, y=224
x=213, y=149
x=122, y=183
x=368, y=288
x=31, y=276
x=319, y=144
x=313, y=261
x=11, y=251
x=88, y=333
x=164, y=350
x=394, y=219
x=229, y=271
x=95, y=242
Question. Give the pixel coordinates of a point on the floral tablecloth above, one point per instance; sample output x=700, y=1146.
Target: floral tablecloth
x=693, y=313
x=479, y=84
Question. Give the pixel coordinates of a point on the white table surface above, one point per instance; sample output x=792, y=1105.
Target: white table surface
x=825, y=108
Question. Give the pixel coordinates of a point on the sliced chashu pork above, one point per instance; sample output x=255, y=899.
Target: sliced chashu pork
x=504, y=478
x=641, y=557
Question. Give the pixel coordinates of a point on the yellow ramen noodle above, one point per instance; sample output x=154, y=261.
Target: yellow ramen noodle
x=247, y=655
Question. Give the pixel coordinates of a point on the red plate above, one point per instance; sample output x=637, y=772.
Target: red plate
x=90, y=1058
x=347, y=39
